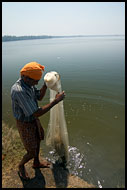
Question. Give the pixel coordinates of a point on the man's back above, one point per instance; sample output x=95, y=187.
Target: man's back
x=24, y=101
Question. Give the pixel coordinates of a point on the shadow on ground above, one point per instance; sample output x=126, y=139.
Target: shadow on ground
x=60, y=173
x=36, y=182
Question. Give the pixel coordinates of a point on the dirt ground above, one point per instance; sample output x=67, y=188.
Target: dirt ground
x=54, y=177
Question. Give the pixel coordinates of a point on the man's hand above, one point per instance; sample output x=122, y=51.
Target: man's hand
x=46, y=108
x=60, y=96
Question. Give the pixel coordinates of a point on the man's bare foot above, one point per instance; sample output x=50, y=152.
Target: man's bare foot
x=22, y=173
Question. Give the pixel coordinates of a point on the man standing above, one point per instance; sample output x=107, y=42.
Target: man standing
x=26, y=111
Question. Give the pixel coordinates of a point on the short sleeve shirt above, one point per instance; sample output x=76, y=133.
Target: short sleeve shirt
x=24, y=101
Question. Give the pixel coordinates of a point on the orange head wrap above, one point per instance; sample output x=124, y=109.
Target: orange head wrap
x=33, y=70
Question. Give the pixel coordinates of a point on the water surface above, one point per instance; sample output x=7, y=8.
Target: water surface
x=92, y=71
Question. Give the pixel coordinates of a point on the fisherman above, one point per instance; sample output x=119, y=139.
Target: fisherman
x=26, y=111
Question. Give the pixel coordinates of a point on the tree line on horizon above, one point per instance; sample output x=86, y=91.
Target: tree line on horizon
x=6, y=38
x=15, y=38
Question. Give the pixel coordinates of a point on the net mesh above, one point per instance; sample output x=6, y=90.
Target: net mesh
x=57, y=135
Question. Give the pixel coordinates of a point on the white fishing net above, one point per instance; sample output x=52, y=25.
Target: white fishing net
x=57, y=135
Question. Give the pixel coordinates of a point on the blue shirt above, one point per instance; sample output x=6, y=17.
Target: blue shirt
x=24, y=101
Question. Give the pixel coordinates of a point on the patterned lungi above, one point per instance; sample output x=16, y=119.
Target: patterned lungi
x=31, y=133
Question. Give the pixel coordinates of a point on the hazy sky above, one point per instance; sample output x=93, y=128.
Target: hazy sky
x=63, y=18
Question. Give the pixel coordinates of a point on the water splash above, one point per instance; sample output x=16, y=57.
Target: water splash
x=99, y=184
x=76, y=163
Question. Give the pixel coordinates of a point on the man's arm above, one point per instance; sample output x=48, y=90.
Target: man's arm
x=43, y=91
x=47, y=107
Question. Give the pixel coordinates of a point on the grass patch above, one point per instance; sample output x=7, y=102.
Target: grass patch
x=12, y=147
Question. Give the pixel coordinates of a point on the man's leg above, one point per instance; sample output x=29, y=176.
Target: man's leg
x=36, y=158
x=37, y=163
x=28, y=156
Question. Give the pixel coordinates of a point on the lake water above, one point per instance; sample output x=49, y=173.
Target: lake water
x=92, y=71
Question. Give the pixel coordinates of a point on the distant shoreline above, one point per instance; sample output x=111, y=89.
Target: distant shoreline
x=8, y=38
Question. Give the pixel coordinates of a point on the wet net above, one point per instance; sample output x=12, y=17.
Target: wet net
x=57, y=135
